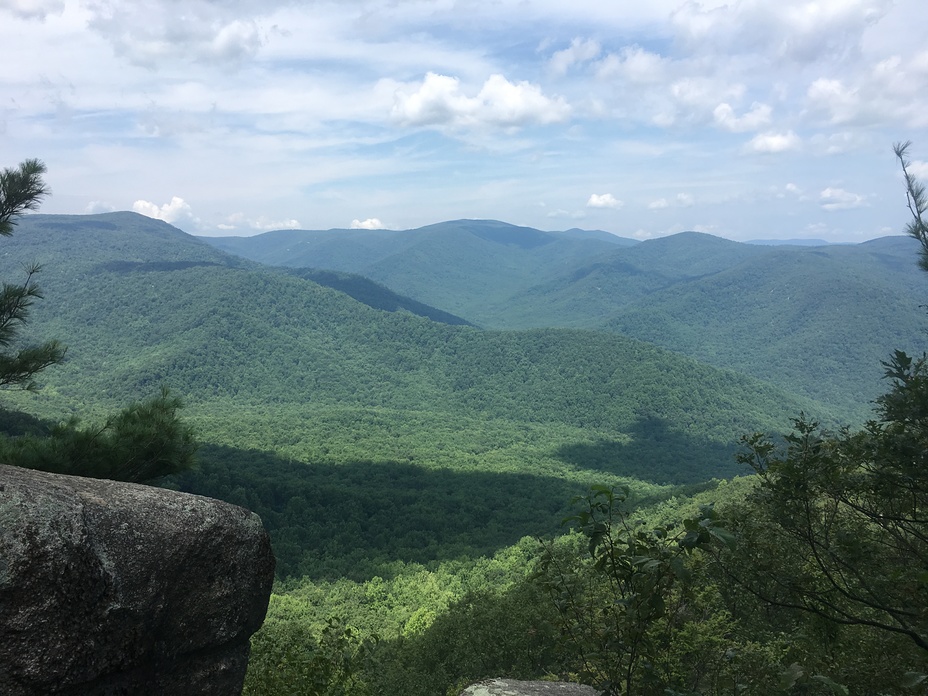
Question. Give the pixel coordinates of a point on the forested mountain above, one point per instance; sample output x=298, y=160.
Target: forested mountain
x=815, y=320
x=154, y=305
x=453, y=263
x=270, y=360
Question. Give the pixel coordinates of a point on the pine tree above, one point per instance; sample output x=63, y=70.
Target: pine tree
x=21, y=189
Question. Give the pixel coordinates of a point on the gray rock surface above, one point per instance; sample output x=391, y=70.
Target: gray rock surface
x=118, y=588
x=511, y=687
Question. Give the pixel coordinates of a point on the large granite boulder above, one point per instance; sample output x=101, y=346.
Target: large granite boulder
x=511, y=687
x=117, y=588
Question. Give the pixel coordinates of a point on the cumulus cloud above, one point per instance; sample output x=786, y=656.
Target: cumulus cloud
x=770, y=143
x=150, y=33
x=561, y=213
x=889, y=90
x=606, y=200
x=790, y=190
x=681, y=200
x=32, y=9
x=235, y=41
x=264, y=224
x=839, y=199
x=797, y=30
x=240, y=220
x=840, y=104
x=757, y=117
x=919, y=169
x=369, y=224
x=178, y=210
x=634, y=64
x=580, y=51
x=95, y=207
x=837, y=143
x=440, y=101
x=692, y=99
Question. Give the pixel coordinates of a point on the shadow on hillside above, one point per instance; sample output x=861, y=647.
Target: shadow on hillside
x=16, y=423
x=353, y=520
x=658, y=453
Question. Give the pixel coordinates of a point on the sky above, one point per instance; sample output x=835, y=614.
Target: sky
x=750, y=119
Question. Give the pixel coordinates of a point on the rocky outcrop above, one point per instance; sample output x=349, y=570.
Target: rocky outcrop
x=117, y=588
x=511, y=687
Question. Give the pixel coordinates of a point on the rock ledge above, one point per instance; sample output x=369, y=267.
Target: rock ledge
x=117, y=588
x=511, y=687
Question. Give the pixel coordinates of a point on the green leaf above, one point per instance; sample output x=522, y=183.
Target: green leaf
x=724, y=536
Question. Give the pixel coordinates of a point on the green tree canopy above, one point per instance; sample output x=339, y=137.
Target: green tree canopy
x=21, y=189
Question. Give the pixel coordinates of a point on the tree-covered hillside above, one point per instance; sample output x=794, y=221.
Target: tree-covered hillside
x=451, y=262
x=327, y=387
x=820, y=319
x=138, y=312
x=774, y=312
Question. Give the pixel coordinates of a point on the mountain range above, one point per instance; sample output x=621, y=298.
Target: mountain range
x=341, y=409
x=815, y=320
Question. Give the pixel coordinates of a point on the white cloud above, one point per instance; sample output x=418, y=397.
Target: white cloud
x=580, y=51
x=263, y=223
x=837, y=143
x=919, y=169
x=95, y=207
x=236, y=41
x=757, y=117
x=32, y=9
x=369, y=224
x=792, y=191
x=153, y=33
x=237, y=221
x=439, y=101
x=890, y=90
x=561, y=213
x=839, y=199
x=681, y=200
x=692, y=100
x=798, y=30
x=178, y=210
x=831, y=97
x=606, y=200
x=774, y=142
x=635, y=65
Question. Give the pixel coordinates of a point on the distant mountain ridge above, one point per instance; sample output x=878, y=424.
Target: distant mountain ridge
x=730, y=304
x=141, y=304
x=790, y=242
x=153, y=245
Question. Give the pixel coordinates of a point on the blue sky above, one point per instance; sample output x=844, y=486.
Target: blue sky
x=751, y=119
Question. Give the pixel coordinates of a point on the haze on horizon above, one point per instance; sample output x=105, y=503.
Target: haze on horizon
x=746, y=120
